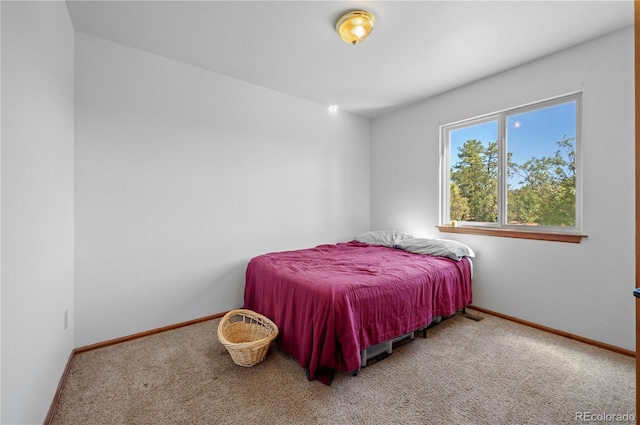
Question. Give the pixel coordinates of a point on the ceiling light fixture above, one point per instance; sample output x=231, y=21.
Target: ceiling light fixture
x=355, y=26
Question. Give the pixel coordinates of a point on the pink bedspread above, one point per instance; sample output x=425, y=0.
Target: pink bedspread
x=332, y=301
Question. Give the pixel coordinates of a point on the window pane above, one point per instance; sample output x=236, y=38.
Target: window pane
x=473, y=168
x=541, y=166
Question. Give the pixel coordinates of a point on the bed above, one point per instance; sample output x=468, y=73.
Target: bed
x=332, y=301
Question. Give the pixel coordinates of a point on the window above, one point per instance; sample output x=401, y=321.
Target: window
x=518, y=169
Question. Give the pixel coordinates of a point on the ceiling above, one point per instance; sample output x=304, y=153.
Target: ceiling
x=417, y=49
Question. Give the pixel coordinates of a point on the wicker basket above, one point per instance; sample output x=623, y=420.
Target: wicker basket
x=247, y=336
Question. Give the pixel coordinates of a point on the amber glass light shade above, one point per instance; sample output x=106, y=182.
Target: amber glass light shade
x=355, y=26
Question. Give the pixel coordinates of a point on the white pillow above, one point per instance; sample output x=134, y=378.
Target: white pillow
x=438, y=247
x=388, y=238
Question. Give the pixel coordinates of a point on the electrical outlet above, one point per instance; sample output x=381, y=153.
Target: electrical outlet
x=66, y=319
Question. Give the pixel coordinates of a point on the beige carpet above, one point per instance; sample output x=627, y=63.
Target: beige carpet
x=465, y=372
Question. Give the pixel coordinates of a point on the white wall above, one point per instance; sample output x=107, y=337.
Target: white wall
x=584, y=289
x=183, y=175
x=37, y=205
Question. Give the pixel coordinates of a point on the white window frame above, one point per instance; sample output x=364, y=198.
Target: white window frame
x=501, y=117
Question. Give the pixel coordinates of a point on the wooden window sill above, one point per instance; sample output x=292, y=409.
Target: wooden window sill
x=511, y=233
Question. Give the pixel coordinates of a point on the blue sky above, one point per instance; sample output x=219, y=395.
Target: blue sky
x=531, y=133
x=536, y=133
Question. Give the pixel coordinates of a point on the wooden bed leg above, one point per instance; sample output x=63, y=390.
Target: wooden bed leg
x=464, y=310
